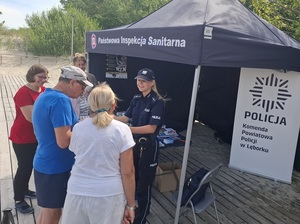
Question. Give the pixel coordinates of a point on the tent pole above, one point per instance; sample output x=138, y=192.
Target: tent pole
x=87, y=55
x=187, y=142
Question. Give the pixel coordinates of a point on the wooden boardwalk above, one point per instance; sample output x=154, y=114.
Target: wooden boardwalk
x=241, y=197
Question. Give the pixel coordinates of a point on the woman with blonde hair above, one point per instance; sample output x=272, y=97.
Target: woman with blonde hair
x=102, y=184
x=146, y=116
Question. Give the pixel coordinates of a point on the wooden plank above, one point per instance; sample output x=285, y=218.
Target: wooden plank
x=2, y=111
x=8, y=158
x=209, y=216
x=5, y=100
x=243, y=185
x=154, y=216
x=164, y=201
x=6, y=196
x=247, y=185
x=245, y=201
x=238, y=200
x=18, y=82
x=241, y=197
x=5, y=168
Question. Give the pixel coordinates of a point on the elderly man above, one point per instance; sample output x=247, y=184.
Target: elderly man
x=53, y=119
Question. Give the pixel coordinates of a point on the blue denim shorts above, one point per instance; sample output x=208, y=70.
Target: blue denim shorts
x=51, y=189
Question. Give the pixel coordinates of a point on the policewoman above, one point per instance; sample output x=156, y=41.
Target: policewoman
x=145, y=115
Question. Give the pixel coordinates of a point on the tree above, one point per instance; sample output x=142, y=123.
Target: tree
x=90, y=7
x=2, y=22
x=50, y=32
x=289, y=16
x=284, y=14
x=114, y=13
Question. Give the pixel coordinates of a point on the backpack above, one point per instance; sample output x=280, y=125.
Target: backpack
x=191, y=185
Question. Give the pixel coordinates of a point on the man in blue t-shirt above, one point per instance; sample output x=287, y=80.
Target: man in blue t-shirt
x=53, y=119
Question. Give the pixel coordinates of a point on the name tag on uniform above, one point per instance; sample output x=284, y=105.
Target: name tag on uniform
x=156, y=117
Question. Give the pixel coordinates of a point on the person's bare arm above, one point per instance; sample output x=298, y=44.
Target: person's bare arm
x=27, y=112
x=128, y=180
x=145, y=129
x=123, y=119
x=63, y=136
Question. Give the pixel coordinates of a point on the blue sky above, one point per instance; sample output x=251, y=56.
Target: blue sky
x=14, y=11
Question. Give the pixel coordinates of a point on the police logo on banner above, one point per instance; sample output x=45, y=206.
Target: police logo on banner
x=279, y=88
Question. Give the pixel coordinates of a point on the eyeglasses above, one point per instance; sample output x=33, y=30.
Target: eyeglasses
x=82, y=84
x=43, y=77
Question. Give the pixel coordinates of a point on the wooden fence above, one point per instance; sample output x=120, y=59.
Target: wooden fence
x=19, y=59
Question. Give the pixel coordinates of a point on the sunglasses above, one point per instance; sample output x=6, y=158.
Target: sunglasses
x=82, y=84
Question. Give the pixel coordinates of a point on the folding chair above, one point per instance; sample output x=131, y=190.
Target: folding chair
x=208, y=199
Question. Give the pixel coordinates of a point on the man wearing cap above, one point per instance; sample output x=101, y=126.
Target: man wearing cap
x=53, y=119
x=146, y=111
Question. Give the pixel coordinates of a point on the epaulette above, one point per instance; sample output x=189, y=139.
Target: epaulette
x=154, y=97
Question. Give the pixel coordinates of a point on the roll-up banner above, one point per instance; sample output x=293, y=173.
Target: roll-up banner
x=266, y=125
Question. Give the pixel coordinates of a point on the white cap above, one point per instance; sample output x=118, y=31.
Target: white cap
x=75, y=73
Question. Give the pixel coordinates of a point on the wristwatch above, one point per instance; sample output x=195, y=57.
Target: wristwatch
x=130, y=208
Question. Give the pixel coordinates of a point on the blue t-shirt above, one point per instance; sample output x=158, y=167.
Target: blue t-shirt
x=52, y=109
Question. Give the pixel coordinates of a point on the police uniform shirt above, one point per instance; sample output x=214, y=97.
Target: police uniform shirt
x=146, y=110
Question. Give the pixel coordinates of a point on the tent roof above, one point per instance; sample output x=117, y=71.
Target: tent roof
x=202, y=32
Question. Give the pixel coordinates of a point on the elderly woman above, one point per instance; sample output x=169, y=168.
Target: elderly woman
x=102, y=183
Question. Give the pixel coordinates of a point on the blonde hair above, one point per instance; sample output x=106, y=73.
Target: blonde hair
x=163, y=98
x=101, y=100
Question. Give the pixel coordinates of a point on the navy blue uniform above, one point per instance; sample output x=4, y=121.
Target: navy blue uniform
x=143, y=111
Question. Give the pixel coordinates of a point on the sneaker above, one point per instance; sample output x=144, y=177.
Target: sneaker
x=30, y=194
x=24, y=208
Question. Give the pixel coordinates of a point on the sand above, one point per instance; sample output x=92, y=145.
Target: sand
x=18, y=64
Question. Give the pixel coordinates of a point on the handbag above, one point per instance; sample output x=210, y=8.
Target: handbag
x=191, y=185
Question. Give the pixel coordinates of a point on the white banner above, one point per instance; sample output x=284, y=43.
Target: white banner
x=266, y=126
